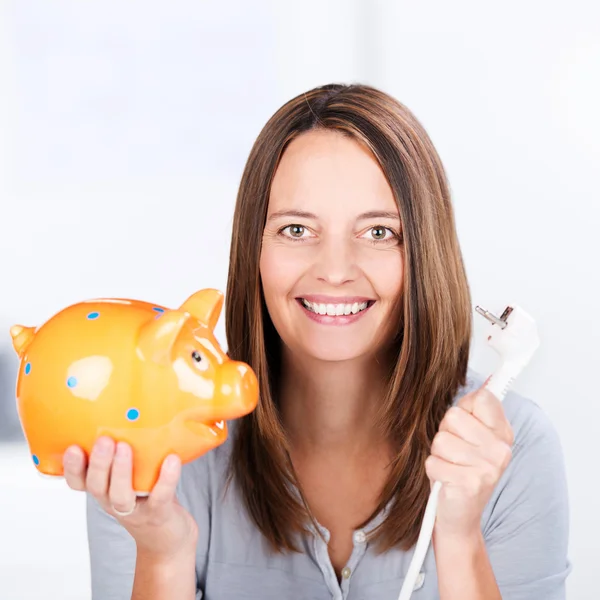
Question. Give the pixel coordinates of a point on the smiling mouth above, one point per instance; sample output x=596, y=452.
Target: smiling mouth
x=336, y=310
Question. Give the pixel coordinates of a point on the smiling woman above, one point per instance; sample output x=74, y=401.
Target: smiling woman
x=347, y=295
x=345, y=201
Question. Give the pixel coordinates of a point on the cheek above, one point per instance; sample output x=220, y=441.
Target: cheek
x=386, y=274
x=278, y=270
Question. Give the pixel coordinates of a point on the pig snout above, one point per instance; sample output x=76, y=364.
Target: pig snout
x=237, y=392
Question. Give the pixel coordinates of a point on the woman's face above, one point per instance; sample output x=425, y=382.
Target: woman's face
x=331, y=261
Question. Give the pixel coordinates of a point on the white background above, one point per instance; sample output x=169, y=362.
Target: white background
x=124, y=127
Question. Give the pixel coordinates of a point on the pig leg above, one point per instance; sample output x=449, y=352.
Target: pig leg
x=47, y=460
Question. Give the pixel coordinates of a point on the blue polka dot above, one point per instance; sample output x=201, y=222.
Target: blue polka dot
x=72, y=382
x=27, y=368
x=93, y=315
x=133, y=414
x=36, y=460
x=158, y=309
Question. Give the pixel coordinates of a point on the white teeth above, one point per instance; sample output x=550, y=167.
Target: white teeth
x=335, y=309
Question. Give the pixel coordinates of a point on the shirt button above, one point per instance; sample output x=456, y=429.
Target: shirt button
x=419, y=582
x=346, y=572
x=359, y=537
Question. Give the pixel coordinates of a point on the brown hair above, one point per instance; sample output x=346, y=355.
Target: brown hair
x=432, y=345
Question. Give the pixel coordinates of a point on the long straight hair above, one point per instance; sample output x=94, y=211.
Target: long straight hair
x=431, y=348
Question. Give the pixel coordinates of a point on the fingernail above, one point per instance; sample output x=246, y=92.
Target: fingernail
x=122, y=450
x=102, y=446
x=172, y=462
x=71, y=457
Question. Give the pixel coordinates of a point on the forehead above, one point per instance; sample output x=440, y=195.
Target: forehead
x=323, y=165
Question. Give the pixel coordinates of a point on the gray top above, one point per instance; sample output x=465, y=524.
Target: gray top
x=525, y=526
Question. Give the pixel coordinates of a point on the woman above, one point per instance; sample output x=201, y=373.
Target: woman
x=347, y=295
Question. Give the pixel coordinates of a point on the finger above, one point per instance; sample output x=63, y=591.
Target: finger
x=98, y=473
x=74, y=467
x=489, y=410
x=454, y=449
x=165, y=488
x=472, y=482
x=466, y=426
x=120, y=491
x=438, y=469
x=484, y=445
x=468, y=400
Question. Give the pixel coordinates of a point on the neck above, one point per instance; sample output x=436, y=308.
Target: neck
x=329, y=408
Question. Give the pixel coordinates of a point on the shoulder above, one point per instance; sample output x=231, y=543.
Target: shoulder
x=534, y=485
x=529, y=507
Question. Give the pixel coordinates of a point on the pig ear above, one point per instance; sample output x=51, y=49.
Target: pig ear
x=157, y=337
x=205, y=306
x=21, y=338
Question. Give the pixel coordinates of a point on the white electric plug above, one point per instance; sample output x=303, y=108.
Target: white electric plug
x=514, y=336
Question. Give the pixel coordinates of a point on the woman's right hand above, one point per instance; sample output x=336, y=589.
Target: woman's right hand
x=162, y=529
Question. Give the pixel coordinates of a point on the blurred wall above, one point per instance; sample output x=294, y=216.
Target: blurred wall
x=124, y=128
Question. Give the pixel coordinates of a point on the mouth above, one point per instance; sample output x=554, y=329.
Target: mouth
x=336, y=310
x=215, y=428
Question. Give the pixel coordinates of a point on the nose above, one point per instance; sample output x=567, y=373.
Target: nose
x=238, y=389
x=336, y=263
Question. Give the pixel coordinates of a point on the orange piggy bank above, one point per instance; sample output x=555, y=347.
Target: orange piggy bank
x=153, y=377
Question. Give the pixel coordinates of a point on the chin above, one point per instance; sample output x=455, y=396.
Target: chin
x=331, y=350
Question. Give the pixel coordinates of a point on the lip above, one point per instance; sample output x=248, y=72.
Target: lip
x=337, y=320
x=323, y=299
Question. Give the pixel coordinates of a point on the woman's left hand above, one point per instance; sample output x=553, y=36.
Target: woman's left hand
x=469, y=453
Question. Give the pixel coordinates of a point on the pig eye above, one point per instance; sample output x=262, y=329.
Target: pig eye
x=199, y=361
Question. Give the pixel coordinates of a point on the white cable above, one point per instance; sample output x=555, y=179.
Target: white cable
x=514, y=336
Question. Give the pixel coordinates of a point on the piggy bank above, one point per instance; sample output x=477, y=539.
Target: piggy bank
x=144, y=374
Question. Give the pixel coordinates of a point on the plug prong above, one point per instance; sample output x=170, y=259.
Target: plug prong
x=491, y=317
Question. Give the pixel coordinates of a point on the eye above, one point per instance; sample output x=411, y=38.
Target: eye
x=379, y=233
x=199, y=361
x=295, y=231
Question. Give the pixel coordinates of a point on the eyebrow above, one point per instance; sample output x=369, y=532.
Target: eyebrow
x=371, y=214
